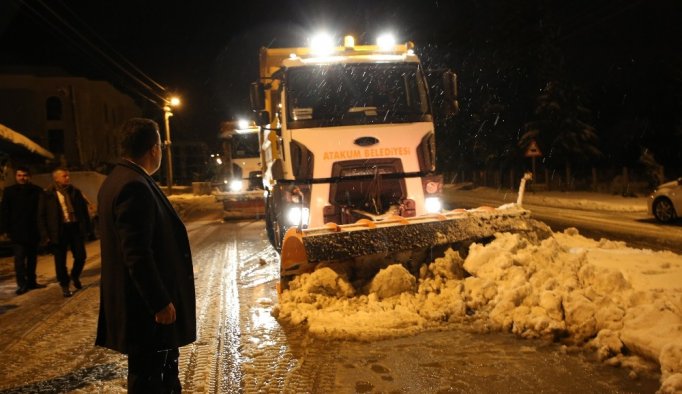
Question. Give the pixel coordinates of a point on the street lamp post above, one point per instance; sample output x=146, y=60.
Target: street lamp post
x=167, y=113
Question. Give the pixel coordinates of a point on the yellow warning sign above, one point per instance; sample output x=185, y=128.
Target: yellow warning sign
x=533, y=150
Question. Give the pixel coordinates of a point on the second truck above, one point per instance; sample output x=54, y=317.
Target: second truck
x=242, y=190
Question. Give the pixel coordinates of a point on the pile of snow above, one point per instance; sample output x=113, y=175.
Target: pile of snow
x=190, y=207
x=19, y=139
x=624, y=303
x=575, y=199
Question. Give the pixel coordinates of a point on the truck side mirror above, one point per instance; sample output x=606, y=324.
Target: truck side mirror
x=451, y=94
x=257, y=96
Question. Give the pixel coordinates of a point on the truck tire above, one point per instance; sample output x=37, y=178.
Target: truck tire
x=272, y=226
x=268, y=227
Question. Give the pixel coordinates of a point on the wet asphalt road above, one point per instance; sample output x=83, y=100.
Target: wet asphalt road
x=637, y=229
x=46, y=342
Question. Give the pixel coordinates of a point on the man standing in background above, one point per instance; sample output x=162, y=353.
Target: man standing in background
x=64, y=223
x=147, y=300
x=19, y=220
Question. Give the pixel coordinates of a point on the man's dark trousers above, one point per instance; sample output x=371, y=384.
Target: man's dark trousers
x=154, y=372
x=25, y=260
x=71, y=239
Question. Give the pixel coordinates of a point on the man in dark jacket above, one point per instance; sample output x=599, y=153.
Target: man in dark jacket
x=19, y=220
x=64, y=223
x=147, y=301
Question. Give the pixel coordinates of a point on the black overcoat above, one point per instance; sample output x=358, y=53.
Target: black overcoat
x=19, y=212
x=146, y=264
x=51, y=216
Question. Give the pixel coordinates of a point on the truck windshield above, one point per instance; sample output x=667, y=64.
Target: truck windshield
x=360, y=93
x=245, y=146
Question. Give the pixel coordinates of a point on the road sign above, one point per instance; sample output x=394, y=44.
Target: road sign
x=533, y=150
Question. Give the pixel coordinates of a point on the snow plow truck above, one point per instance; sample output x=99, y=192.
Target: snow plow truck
x=348, y=152
x=242, y=197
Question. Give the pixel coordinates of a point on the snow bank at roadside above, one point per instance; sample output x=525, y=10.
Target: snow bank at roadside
x=619, y=301
x=190, y=207
x=575, y=200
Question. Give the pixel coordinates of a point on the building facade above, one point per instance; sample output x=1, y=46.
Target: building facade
x=77, y=119
x=190, y=162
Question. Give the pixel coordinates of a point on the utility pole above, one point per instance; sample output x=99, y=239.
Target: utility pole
x=167, y=113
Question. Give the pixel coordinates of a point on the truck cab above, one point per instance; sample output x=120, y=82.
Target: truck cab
x=346, y=135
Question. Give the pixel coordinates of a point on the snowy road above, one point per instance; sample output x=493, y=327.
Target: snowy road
x=47, y=341
x=636, y=228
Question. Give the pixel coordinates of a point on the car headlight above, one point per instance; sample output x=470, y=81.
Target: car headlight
x=236, y=185
x=433, y=205
x=298, y=215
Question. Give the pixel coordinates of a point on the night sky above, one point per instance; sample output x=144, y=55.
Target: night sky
x=625, y=56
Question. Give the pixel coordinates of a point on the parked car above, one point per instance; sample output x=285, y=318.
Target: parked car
x=665, y=203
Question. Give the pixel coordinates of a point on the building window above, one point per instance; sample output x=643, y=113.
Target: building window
x=53, y=108
x=55, y=141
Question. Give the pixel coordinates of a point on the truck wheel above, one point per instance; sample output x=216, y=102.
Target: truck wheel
x=272, y=227
x=278, y=235
x=269, y=227
x=275, y=233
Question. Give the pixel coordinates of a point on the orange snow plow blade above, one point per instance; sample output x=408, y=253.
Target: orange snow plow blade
x=242, y=205
x=303, y=250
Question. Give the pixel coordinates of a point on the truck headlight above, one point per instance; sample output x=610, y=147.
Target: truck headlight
x=236, y=185
x=295, y=214
x=386, y=41
x=322, y=44
x=433, y=205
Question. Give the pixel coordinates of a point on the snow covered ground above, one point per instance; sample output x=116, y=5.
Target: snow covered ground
x=574, y=200
x=624, y=303
x=621, y=303
x=190, y=207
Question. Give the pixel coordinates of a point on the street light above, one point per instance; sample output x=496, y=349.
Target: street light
x=167, y=113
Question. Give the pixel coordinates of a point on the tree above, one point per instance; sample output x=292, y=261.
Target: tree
x=562, y=128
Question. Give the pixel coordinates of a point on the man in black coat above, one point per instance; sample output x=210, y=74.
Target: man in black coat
x=19, y=220
x=64, y=223
x=147, y=300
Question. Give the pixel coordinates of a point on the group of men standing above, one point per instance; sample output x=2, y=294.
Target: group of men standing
x=147, y=295
x=56, y=218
